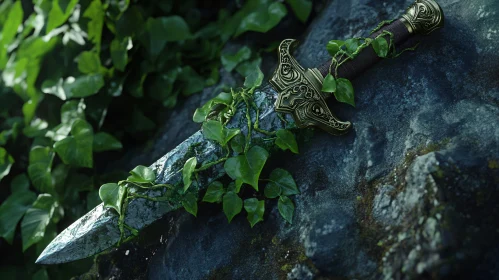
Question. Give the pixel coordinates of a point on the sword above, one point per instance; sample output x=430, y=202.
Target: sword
x=292, y=90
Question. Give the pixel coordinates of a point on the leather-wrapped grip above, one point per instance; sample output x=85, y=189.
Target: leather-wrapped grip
x=368, y=57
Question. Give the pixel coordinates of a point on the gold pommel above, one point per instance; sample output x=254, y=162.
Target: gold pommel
x=423, y=17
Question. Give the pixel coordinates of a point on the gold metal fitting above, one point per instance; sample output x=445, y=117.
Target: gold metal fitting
x=423, y=17
x=299, y=93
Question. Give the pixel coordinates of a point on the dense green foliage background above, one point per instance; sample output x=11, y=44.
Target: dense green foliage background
x=81, y=82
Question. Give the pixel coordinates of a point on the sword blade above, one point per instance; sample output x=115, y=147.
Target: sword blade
x=98, y=230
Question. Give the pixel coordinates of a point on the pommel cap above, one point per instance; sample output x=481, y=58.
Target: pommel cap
x=423, y=17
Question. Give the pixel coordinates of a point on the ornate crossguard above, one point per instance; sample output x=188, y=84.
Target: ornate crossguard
x=299, y=90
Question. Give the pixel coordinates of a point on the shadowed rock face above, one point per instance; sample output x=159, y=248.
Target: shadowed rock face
x=410, y=193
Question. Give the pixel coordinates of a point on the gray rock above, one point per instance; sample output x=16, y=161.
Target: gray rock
x=410, y=193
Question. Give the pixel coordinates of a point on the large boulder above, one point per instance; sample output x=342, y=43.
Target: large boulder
x=410, y=193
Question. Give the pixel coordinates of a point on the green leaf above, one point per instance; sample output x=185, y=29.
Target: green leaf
x=272, y=190
x=301, y=8
x=83, y=86
x=344, y=91
x=95, y=12
x=58, y=16
x=214, y=130
x=352, y=45
x=159, y=31
x=247, y=167
x=36, y=219
x=41, y=274
x=192, y=81
x=201, y=113
x=142, y=174
x=89, y=62
x=20, y=183
x=255, y=209
x=189, y=167
x=112, y=196
x=329, y=84
x=380, y=46
x=119, y=52
x=263, y=18
x=190, y=203
x=12, y=210
x=214, y=192
x=286, y=208
x=286, y=140
x=334, y=46
x=284, y=180
x=230, y=61
x=247, y=67
x=39, y=168
x=6, y=162
x=254, y=80
x=72, y=110
x=237, y=143
x=105, y=142
x=76, y=150
x=232, y=205
x=11, y=25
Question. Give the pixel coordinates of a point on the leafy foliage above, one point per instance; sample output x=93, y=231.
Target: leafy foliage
x=83, y=80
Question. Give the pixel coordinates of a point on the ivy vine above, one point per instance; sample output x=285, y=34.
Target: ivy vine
x=343, y=51
x=243, y=163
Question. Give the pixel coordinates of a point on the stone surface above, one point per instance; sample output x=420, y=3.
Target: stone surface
x=410, y=193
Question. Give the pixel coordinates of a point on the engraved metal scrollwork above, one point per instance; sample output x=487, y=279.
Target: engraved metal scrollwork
x=300, y=93
x=423, y=17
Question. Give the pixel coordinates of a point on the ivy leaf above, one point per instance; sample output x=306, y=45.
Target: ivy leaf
x=95, y=12
x=286, y=208
x=142, y=174
x=301, y=8
x=11, y=24
x=255, y=209
x=272, y=190
x=189, y=167
x=344, y=91
x=36, y=128
x=214, y=192
x=6, y=162
x=247, y=167
x=112, y=196
x=214, y=130
x=237, y=143
x=82, y=86
x=36, y=219
x=284, y=181
x=329, y=84
x=40, y=165
x=352, y=45
x=334, y=46
x=58, y=16
x=286, y=140
x=105, y=142
x=89, y=62
x=254, y=79
x=230, y=61
x=380, y=46
x=232, y=205
x=12, y=210
x=119, y=52
x=76, y=150
x=159, y=31
x=190, y=203
x=263, y=18
x=201, y=113
x=72, y=110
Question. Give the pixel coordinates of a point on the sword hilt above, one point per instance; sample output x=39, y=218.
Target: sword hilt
x=299, y=90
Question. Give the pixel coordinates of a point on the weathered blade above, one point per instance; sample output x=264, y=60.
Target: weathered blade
x=98, y=230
